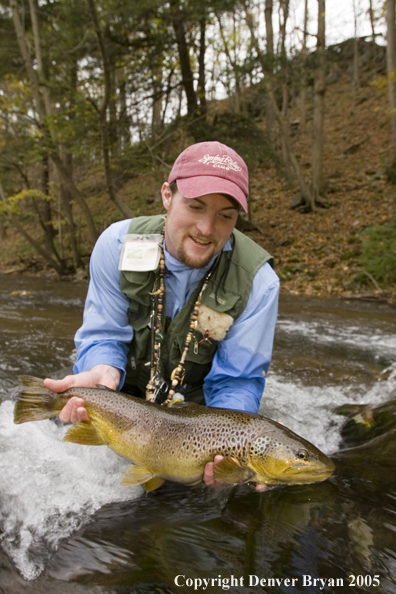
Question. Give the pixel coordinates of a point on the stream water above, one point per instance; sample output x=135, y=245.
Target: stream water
x=67, y=526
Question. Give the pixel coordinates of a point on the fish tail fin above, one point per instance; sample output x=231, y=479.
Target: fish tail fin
x=35, y=402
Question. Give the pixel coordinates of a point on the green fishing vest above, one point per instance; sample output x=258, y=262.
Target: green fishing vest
x=227, y=291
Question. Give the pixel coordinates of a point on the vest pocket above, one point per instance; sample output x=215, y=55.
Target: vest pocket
x=202, y=349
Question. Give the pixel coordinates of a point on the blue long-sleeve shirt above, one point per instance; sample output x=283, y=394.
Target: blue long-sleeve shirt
x=237, y=377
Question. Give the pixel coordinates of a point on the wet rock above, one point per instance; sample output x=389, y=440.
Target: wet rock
x=367, y=422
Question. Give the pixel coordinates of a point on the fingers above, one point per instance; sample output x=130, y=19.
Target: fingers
x=60, y=385
x=105, y=375
x=261, y=488
x=73, y=411
x=208, y=476
x=210, y=480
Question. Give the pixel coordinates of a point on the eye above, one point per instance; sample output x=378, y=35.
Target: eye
x=302, y=454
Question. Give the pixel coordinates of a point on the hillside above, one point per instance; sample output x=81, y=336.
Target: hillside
x=315, y=254
x=318, y=254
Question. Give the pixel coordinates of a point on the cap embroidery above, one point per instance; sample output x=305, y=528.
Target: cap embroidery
x=223, y=162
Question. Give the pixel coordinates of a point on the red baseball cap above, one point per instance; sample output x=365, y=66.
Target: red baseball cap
x=211, y=168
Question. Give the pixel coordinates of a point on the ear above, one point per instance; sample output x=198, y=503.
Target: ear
x=166, y=195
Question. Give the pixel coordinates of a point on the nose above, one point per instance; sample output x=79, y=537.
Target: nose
x=205, y=225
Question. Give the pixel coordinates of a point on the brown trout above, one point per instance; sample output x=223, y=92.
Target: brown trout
x=175, y=443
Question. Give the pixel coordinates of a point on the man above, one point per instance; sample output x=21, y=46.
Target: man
x=216, y=342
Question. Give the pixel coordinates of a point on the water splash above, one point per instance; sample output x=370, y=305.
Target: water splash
x=50, y=488
x=310, y=410
x=365, y=338
x=307, y=410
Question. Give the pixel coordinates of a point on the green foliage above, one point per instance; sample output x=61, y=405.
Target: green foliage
x=16, y=204
x=379, y=253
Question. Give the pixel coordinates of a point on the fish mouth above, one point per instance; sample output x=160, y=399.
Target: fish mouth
x=296, y=468
x=301, y=472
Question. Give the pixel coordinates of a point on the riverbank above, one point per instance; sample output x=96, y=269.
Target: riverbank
x=316, y=254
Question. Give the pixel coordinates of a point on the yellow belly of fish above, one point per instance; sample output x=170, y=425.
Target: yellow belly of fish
x=152, y=452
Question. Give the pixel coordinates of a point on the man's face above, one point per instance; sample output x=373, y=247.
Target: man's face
x=197, y=228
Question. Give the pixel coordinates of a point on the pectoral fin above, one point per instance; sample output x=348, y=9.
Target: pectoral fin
x=155, y=483
x=85, y=433
x=230, y=471
x=136, y=475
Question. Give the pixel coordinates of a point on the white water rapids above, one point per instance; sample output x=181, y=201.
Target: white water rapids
x=50, y=488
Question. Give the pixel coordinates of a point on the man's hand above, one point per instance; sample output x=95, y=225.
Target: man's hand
x=210, y=480
x=74, y=410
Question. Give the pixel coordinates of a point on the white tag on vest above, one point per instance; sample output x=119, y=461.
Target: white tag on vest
x=140, y=253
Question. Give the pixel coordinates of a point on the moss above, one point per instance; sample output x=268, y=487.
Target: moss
x=379, y=253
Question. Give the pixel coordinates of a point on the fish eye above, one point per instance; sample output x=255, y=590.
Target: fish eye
x=302, y=454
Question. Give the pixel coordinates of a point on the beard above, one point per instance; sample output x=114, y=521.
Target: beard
x=184, y=254
x=194, y=261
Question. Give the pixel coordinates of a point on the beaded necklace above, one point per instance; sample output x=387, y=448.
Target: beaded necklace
x=156, y=382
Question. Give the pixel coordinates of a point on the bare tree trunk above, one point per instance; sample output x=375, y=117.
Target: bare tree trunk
x=102, y=115
x=305, y=192
x=178, y=20
x=371, y=14
x=44, y=212
x=65, y=196
x=355, y=52
x=284, y=8
x=75, y=192
x=390, y=31
x=46, y=204
x=37, y=50
x=124, y=118
x=201, y=68
x=269, y=69
x=237, y=51
x=303, y=92
x=38, y=247
x=53, y=150
x=234, y=66
x=112, y=125
x=39, y=206
x=67, y=209
x=3, y=228
x=156, y=120
x=319, y=106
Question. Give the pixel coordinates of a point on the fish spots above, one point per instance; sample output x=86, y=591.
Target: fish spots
x=182, y=440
